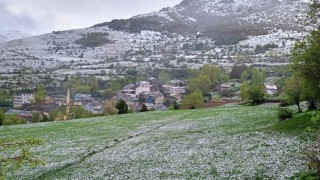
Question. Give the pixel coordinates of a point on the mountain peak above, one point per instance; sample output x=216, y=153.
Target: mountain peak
x=10, y=35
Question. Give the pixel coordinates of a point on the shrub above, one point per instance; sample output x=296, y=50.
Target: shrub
x=122, y=107
x=93, y=40
x=144, y=108
x=110, y=109
x=285, y=113
x=312, y=157
x=284, y=103
x=36, y=117
x=176, y=106
x=12, y=120
x=193, y=100
x=256, y=93
x=316, y=118
x=1, y=117
x=226, y=93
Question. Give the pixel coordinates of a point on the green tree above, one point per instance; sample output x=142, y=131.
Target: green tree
x=310, y=93
x=305, y=64
x=114, y=87
x=237, y=71
x=36, y=117
x=78, y=112
x=109, y=108
x=214, y=73
x=293, y=89
x=243, y=90
x=258, y=77
x=202, y=83
x=57, y=114
x=94, y=85
x=13, y=120
x=122, y=107
x=245, y=75
x=164, y=77
x=15, y=154
x=2, y=116
x=193, y=100
x=313, y=14
x=39, y=96
x=256, y=93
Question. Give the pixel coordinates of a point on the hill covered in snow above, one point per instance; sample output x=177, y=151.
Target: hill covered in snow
x=12, y=35
x=214, y=28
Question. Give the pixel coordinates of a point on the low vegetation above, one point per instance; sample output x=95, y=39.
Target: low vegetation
x=93, y=39
x=238, y=142
x=285, y=113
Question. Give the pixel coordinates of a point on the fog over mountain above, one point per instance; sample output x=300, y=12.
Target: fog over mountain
x=43, y=16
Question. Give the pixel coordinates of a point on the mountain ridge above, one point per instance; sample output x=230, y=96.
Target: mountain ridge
x=228, y=20
x=10, y=35
x=217, y=22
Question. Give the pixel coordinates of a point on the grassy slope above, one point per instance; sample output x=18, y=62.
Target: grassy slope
x=232, y=141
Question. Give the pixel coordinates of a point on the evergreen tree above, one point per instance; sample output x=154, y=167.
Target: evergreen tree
x=122, y=107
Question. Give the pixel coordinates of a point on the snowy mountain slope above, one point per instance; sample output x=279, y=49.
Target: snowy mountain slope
x=223, y=22
x=12, y=35
x=66, y=43
x=2, y=39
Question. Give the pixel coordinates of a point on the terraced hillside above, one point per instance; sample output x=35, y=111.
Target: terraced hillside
x=234, y=142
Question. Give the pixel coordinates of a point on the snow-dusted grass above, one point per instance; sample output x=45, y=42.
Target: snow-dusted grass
x=231, y=142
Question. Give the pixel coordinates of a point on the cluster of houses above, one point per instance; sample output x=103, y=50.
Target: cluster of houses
x=150, y=94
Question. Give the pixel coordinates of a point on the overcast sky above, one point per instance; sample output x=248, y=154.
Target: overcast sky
x=42, y=16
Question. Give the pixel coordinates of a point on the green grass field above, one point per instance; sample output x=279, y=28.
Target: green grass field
x=230, y=142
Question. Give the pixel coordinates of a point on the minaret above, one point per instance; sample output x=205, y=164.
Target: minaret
x=67, y=105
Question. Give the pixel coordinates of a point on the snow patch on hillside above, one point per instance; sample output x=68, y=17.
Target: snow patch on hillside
x=156, y=14
x=284, y=39
x=12, y=35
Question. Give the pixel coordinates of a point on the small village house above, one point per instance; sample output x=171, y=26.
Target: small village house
x=271, y=89
x=21, y=99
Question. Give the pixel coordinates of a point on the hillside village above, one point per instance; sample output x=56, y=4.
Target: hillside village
x=150, y=93
x=51, y=59
x=207, y=89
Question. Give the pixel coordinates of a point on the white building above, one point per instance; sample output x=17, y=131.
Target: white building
x=21, y=99
x=271, y=89
x=145, y=88
x=174, y=91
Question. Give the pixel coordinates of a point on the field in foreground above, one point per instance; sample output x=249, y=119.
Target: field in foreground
x=233, y=142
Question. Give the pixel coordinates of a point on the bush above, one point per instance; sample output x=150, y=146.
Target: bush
x=110, y=109
x=12, y=120
x=1, y=117
x=313, y=159
x=36, y=117
x=93, y=40
x=285, y=113
x=226, y=93
x=256, y=94
x=122, y=107
x=284, y=103
x=176, y=106
x=193, y=100
x=144, y=108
